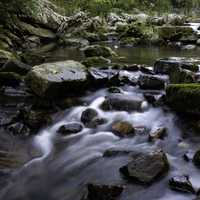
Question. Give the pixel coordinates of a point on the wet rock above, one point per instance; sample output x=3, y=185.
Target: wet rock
x=188, y=156
x=10, y=79
x=103, y=77
x=122, y=102
x=151, y=82
x=196, y=158
x=57, y=79
x=70, y=128
x=88, y=115
x=98, y=50
x=179, y=75
x=157, y=21
x=16, y=66
x=158, y=134
x=146, y=167
x=146, y=70
x=103, y=192
x=96, y=61
x=115, y=152
x=35, y=119
x=181, y=183
x=19, y=128
x=164, y=66
x=114, y=90
x=150, y=98
x=123, y=129
x=184, y=98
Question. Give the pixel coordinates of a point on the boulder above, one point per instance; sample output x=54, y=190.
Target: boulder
x=57, y=79
x=179, y=75
x=123, y=129
x=98, y=50
x=174, y=33
x=146, y=167
x=164, y=66
x=16, y=66
x=181, y=183
x=90, y=118
x=70, y=128
x=151, y=82
x=103, y=192
x=75, y=42
x=184, y=98
x=103, y=77
x=122, y=102
x=174, y=19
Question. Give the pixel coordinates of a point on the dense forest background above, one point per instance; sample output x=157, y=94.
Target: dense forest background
x=102, y=7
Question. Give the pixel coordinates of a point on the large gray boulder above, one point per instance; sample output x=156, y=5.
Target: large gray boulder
x=57, y=79
x=146, y=167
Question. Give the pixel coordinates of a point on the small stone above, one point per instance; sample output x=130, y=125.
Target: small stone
x=103, y=192
x=181, y=183
x=88, y=115
x=158, y=134
x=70, y=128
x=123, y=129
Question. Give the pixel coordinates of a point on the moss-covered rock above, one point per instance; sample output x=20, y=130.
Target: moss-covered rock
x=174, y=33
x=57, y=79
x=179, y=75
x=5, y=56
x=184, y=98
x=98, y=50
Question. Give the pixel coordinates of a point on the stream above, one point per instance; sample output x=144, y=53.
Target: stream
x=68, y=163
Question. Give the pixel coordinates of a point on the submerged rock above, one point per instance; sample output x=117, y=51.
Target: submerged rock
x=103, y=192
x=122, y=102
x=164, y=66
x=96, y=61
x=57, y=79
x=123, y=129
x=151, y=82
x=181, y=183
x=146, y=167
x=70, y=128
x=98, y=50
x=184, y=98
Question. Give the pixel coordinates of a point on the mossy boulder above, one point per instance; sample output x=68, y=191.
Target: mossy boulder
x=57, y=79
x=179, y=75
x=166, y=65
x=174, y=33
x=38, y=31
x=98, y=50
x=184, y=98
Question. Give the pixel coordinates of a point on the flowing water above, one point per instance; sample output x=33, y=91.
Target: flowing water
x=68, y=163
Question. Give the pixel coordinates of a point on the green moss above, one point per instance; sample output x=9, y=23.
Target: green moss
x=184, y=97
x=95, y=61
